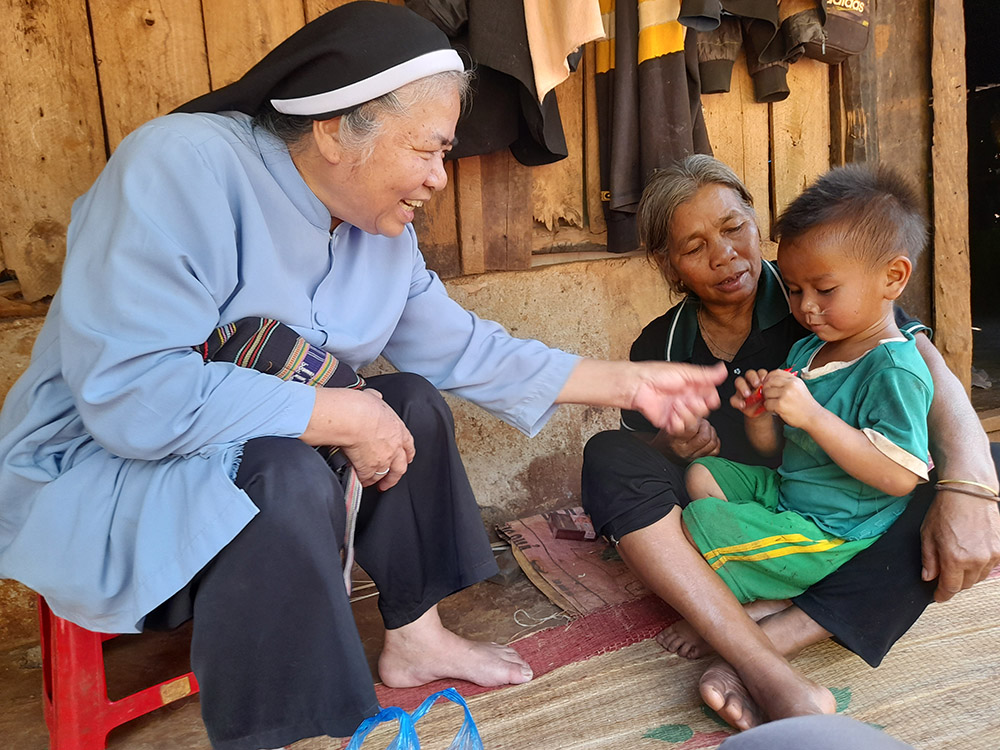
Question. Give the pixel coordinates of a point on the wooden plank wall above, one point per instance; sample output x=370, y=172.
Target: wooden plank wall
x=82, y=75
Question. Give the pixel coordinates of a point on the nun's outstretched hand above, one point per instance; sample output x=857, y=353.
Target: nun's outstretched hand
x=370, y=433
x=673, y=396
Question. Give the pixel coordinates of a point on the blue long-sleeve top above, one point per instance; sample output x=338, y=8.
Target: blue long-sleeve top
x=118, y=445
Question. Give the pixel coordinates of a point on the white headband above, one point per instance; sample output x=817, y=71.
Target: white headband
x=346, y=97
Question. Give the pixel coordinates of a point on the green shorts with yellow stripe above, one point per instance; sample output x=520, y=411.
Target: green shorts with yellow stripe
x=761, y=552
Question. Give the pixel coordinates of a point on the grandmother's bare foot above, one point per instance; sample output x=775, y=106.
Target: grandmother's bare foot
x=724, y=692
x=791, y=630
x=424, y=651
x=762, y=696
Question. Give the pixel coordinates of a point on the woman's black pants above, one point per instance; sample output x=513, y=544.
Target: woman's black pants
x=275, y=647
x=868, y=603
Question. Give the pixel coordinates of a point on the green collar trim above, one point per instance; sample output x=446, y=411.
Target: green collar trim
x=770, y=307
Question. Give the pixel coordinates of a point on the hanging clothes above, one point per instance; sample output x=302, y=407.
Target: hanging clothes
x=649, y=105
x=506, y=110
x=726, y=26
x=557, y=30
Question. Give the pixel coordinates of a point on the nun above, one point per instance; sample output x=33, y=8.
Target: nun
x=158, y=458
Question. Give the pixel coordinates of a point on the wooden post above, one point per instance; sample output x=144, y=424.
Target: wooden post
x=949, y=163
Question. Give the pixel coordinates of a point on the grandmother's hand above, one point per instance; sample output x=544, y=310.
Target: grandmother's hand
x=675, y=397
x=694, y=443
x=960, y=542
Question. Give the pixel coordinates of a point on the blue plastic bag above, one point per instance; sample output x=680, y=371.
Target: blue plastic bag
x=468, y=734
x=406, y=737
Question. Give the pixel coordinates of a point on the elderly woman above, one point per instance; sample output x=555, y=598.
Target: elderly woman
x=147, y=476
x=696, y=220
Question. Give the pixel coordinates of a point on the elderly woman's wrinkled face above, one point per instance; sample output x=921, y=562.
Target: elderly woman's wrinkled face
x=715, y=247
x=381, y=193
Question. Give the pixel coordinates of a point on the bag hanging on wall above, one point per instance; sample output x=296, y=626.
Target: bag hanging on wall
x=845, y=32
x=406, y=738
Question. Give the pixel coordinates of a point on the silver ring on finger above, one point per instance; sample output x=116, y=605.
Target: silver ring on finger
x=381, y=473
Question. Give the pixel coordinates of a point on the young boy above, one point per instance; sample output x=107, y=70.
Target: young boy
x=851, y=404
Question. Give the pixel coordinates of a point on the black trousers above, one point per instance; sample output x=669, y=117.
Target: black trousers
x=275, y=647
x=867, y=604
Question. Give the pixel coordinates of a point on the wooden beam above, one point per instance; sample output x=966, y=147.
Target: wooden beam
x=902, y=44
x=469, y=189
x=800, y=132
x=152, y=59
x=52, y=146
x=506, y=206
x=436, y=226
x=949, y=163
x=858, y=139
x=738, y=130
x=239, y=36
x=591, y=145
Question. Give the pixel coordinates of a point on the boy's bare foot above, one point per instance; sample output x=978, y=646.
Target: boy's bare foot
x=424, y=651
x=682, y=639
x=773, y=695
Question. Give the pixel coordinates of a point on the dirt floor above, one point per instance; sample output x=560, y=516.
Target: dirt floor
x=484, y=612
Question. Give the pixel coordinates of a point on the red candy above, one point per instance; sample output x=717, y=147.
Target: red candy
x=757, y=397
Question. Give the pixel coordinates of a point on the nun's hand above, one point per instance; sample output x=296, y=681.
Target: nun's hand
x=383, y=451
x=676, y=397
x=368, y=431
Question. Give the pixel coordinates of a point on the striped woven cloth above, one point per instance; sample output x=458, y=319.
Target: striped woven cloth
x=271, y=347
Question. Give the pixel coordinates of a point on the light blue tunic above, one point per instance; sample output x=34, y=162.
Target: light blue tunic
x=118, y=445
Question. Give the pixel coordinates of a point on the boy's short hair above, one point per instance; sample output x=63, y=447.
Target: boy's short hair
x=875, y=209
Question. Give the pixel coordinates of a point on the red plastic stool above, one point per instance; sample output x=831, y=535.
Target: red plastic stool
x=77, y=709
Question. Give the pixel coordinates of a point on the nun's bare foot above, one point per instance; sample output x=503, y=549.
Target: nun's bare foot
x=424, y=651
x=683, y=640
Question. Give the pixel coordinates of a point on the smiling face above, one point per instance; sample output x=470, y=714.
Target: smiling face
x=714, y=247
x=380, y=193
x=835, y=294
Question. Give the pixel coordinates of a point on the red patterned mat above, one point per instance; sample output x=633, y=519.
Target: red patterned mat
x=600, y=632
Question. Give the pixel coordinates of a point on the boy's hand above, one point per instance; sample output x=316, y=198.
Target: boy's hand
x=787, y=396
x=749, y=397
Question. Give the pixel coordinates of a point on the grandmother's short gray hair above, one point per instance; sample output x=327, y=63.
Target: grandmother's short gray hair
x=667, y=190
x=360, y=128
